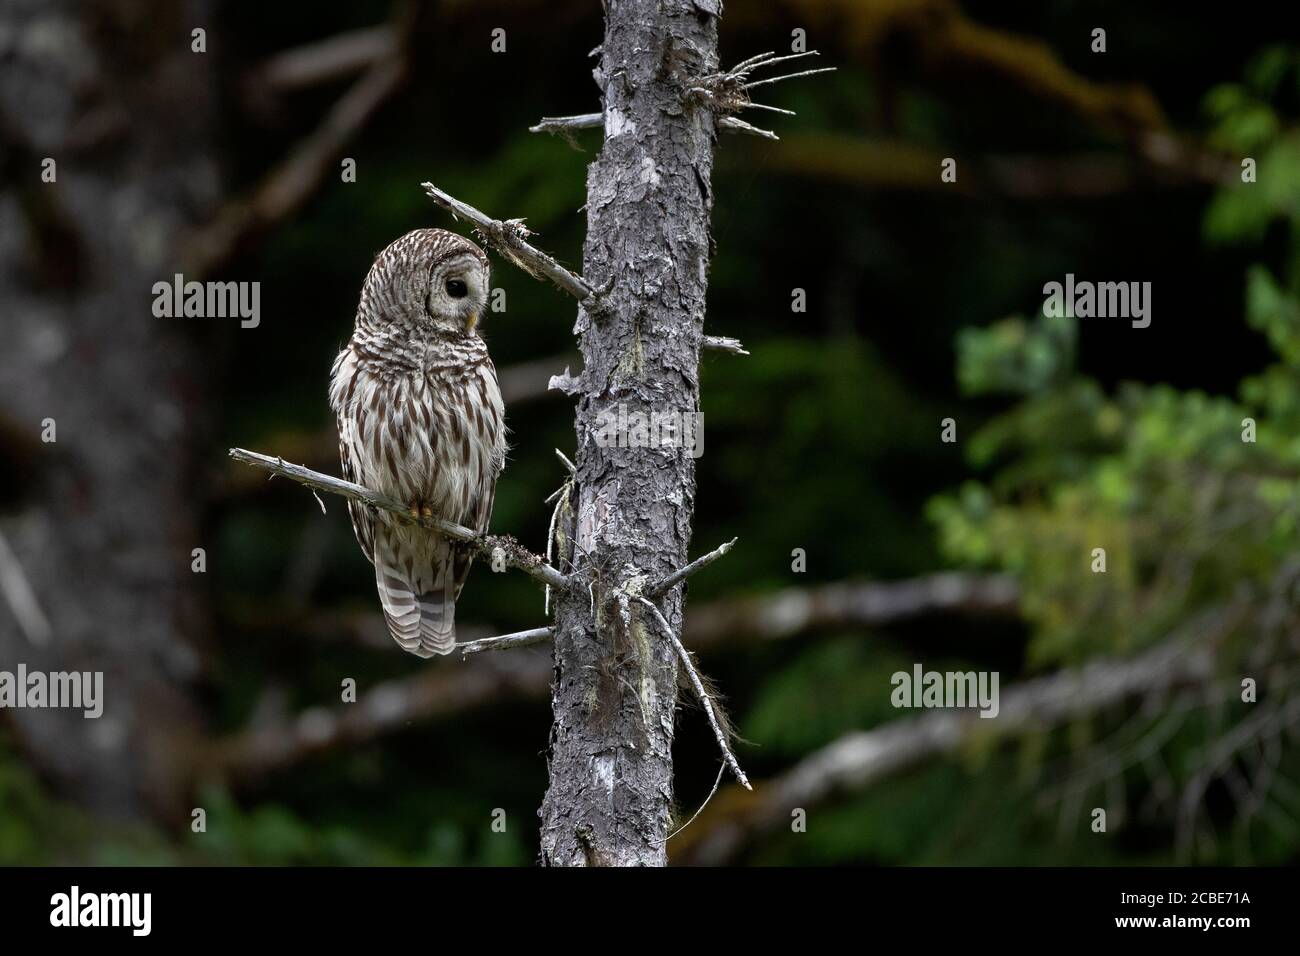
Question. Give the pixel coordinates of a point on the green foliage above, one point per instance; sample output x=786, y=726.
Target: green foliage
x=1195, y=498
x=1187, y=509
x=1246, y=123
x=24, y=817
x=947, y=815
x=810, y=434
x=36, y=829
x=1274, y=312
x=1012, y=356
x=851, y=676
x=274, y=835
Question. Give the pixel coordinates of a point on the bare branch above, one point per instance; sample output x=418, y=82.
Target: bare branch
x=851, y=604
x=789, y=76
x=721, y=343
x=771, y=109
x=565, y=383
x=568, y=124
x=490, y=546
x=737, y=125
x=742, y=69
x=728, y=92
x=717, y=781
x=713, y=625
x=561, y=499
x=859, y=760
x=681, y=574
x=1266, y=723
x=705, y=700
x=287, y=187
x=326, y=60
x=445, y=689
x=509, y=237
x=770, y=59
x=859, y=162
x=756, y=61
x=538, y=635
x=951, y=42
x=386, y=708
x=22, y=600
x=529, y=381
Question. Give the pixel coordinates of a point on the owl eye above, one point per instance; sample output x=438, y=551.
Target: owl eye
x=456, y=288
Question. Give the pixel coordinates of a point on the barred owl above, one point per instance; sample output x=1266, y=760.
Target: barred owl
x=420, y=418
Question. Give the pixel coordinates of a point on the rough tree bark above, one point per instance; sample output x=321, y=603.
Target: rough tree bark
x=647, y=251
x=95, y=543
x=104, y=524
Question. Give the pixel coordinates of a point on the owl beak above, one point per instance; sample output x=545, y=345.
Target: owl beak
x=472, y=322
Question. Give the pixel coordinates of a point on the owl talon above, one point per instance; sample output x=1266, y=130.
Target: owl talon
x=414, y=511
x=426, y=511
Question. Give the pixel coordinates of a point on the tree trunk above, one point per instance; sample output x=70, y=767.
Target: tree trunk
x=104, y=524
x=648, y=203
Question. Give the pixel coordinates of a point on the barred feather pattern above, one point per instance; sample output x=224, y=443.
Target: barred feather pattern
x=420, y=418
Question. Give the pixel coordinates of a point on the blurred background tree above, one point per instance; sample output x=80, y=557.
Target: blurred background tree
x=1072, y=435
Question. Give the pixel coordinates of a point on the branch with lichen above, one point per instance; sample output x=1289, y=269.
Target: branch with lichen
x=725, y=92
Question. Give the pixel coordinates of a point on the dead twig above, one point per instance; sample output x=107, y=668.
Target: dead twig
x=510, y=238
x=705, y=700
x=681, y=574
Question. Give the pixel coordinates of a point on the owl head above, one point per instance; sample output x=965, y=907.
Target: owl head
x=429, y=281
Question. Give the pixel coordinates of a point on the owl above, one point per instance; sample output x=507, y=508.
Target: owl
x=420, y=418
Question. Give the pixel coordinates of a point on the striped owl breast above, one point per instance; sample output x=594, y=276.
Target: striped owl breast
x=462, y=414
x=431, y=434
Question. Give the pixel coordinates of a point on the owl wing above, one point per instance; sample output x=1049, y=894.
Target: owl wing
x=480, y=519
x=363, y=520
x=343, y=383
x=486, y=394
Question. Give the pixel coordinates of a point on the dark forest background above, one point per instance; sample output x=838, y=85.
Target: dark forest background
x=923, y=303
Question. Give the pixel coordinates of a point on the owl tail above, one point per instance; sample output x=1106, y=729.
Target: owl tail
x=422, y=622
